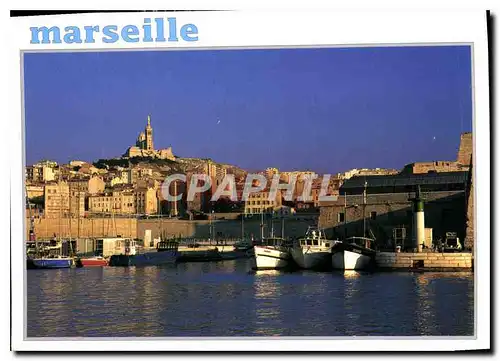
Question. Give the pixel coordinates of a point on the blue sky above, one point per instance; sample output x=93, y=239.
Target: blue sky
x=326, y=110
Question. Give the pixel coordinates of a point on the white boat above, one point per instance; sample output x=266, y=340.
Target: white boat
x=313, y=250
x=272, y=253
x=353, y=254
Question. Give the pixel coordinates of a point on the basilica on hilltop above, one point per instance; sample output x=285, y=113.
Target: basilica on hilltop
x=144, y=146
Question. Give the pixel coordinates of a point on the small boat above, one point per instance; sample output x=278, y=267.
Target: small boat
x=49, y=262
x=243, y=246
x=166, y=253
x=353, y=254
x=93, y=261
x=272, y=253
x=313, y=251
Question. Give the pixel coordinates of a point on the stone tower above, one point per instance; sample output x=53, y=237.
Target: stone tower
x=149, y=135
x=465, y=149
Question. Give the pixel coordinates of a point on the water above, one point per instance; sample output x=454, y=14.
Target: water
x=227, y=299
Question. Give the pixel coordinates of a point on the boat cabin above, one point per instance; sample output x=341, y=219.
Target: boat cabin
x=167, y=246
x=361, y=241
x=273, y=242
x=315, y=237
x=106, y=247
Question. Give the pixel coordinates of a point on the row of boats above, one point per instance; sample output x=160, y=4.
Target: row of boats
x=315, y=251
x=165, y=252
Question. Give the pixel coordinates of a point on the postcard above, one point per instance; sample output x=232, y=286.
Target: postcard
x=250, y=180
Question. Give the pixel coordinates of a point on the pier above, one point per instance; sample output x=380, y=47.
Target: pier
x=426, y=261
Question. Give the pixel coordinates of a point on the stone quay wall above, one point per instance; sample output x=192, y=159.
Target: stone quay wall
x=431, y=260
x=46, y=228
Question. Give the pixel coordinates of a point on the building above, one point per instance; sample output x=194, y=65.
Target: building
x=259, y=202
x=57, y=200
x=299, y=175
x=434, y=167
x=145, y=200
x=115, y=202
x=76, y=204
x=139, y=172
x=35, y=190
x=366, y=172
x=144, y=146
x=96, y=185
x=270, y=172
x=44, y=171
x=380, y=207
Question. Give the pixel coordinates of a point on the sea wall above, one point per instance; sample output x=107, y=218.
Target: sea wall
x=426, y=260
x=136, y=228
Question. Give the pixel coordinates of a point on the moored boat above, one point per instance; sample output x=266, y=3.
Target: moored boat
x=96, y=261
x=313, y=251
x=49, y=263
x=355, y=253
x=166, y=253
x=272, y=253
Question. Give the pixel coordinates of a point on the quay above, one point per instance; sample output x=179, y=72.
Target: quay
x=425, y=261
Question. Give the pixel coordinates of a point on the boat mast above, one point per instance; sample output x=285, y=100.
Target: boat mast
x=282, y=226
x=364, y=210
x=272, y=226
x=32, y=227
x=243, y=226
x=345, y=214
x=262, y=224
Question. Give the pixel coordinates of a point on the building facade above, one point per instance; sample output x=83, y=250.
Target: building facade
x=115, y=202
x=57, y=200
x=259, y=202
x=383, y=210
x=145, y=200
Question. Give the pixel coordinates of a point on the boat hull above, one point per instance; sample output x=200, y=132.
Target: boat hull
x=350, y=257
x=270, y=258
x=93, y=262
x=310, y=259
x=144, y=259
x=49, y=263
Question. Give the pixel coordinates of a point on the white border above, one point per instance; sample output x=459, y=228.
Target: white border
x=275, y=29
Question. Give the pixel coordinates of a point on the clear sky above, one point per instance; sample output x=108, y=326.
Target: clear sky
x=327, y=110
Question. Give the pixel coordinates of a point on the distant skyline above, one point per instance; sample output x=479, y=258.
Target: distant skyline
x=326, y=110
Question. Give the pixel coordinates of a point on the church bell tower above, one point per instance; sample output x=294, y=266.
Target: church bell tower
x=149, y=135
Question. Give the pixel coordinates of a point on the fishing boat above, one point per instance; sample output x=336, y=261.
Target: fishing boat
x=313, y=251
x=272, y=253
x=356, y=253
x=166, y=252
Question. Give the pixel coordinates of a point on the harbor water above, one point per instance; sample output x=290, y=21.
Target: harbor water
x=228, y=299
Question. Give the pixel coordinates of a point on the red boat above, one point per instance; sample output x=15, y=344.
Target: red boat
x=94, y=261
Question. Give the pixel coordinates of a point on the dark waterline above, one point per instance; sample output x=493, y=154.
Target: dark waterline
x=227, y=299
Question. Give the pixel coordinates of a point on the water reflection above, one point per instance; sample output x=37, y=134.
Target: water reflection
x=267, y=308
x=424, y=313
x=352, y=274
x=224, y=299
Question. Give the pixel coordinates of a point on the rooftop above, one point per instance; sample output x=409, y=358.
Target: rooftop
x=405, y=180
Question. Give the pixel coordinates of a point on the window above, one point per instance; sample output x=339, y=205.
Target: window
x=315, y=242
x=341, y=217
x=373, y=215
